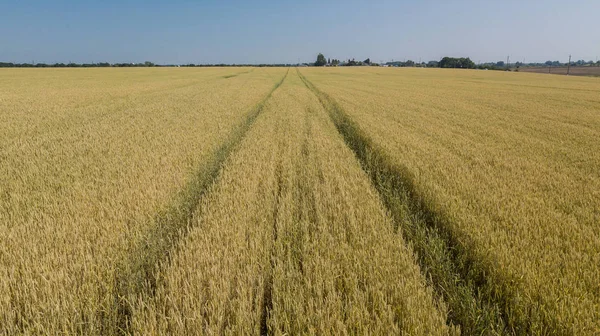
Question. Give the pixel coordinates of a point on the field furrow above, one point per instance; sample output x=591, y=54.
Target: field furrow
x=292, y=239
x=138, y=272
x=443, y=261
x=82, y=204
x=277, y=201
x=506, y=166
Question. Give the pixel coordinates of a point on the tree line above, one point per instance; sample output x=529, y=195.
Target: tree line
x=73, y=65
x=124, y=65
x=447, y=62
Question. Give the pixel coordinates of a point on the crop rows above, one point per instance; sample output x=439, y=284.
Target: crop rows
x=300, y=201
x=91, y=164
x=505, y=169
x=292, y=239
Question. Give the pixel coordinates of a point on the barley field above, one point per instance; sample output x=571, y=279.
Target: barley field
x=365, y=200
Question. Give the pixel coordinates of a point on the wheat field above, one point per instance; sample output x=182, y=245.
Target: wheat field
x=508, y=167
x=278, y=201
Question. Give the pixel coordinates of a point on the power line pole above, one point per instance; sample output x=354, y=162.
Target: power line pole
x=507, y=62
x=569, y=66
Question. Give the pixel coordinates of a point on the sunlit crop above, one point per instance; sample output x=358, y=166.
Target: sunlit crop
x=505, y=168
x=298, y=201
x=89, y=160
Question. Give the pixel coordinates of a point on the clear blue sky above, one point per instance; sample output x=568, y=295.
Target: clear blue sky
x=287, y=31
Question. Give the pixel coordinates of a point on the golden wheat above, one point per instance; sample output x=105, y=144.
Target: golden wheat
x=292, y=239
x=89, y=157
x=302, y=201
x=510, y=163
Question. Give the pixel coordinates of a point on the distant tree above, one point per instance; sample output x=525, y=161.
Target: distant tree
x=409, y=63
x=450, y=62
x=367, y=61
x=329, y=61
x=467, y=63
x=500, y=64
x=320, y=60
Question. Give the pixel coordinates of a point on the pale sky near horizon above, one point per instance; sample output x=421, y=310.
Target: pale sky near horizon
x=180, y=31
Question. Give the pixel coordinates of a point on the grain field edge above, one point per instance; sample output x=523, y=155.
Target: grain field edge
x=474, y=305
x=138, y=273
